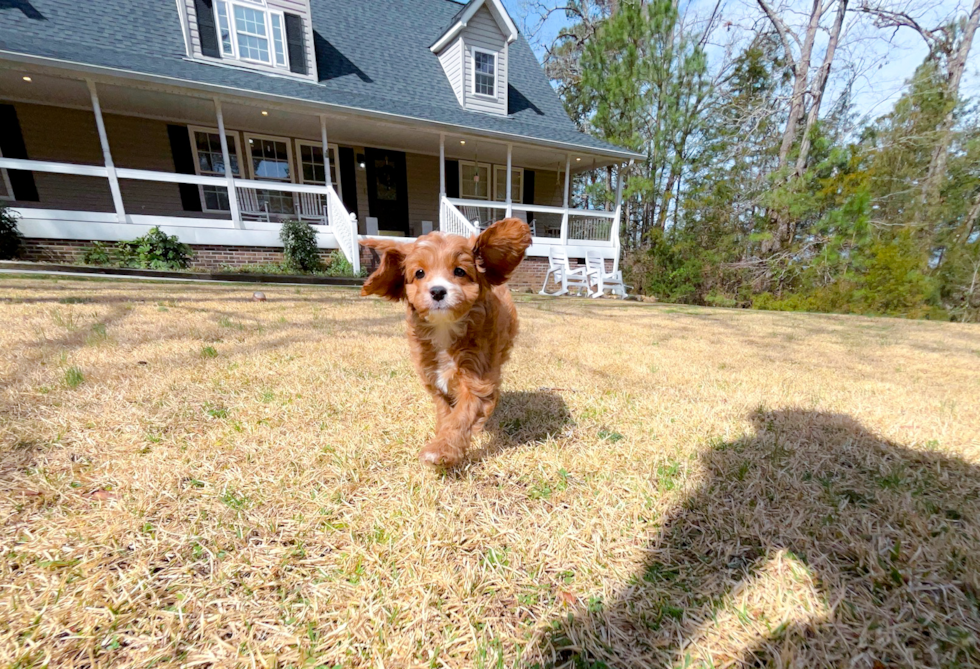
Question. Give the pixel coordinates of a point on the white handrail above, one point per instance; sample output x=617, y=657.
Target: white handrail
x=452, y=221
x=344, y=227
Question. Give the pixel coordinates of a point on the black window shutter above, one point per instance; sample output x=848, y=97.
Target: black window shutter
x=348, y=179
x=180, y=147
x=12, y=146
x=207, y=27
x=452, y=178
x=296, y=43
x=528, y=187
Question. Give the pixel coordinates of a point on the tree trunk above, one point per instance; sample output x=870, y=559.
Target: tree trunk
x=954, y=73
x=820, y=85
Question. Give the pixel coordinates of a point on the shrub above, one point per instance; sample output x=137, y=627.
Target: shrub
x=339, y=265
x=299, y=246
x=154, y=250
x=10, y=239
x=99, y=254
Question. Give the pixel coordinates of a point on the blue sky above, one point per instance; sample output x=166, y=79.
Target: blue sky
x=882, y=65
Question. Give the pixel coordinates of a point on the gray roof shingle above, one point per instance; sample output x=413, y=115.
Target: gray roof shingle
x=372, y=55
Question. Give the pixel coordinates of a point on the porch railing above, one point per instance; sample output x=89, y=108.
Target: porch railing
x=452, y=221
x=549, y=225
x=319, y=205
x=344, y=226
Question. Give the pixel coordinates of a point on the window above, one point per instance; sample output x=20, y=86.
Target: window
x=6, y=190
x=251, y=34
x=484, y=73
x=209, y=162
x=246, y=28
x=277, y=39
x=474, y=180
x=500, y=183
x=271, y=159
x=311, y=164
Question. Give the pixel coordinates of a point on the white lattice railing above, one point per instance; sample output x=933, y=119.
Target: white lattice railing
x=344, y=227
x=452, y=221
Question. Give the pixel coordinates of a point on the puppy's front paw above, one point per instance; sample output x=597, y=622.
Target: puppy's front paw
x=438, y=453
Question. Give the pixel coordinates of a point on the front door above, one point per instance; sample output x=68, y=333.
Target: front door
x=387, y=189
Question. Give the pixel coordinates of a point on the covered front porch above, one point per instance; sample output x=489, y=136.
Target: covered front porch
x=106, y=159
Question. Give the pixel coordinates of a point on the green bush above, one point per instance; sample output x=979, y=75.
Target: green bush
x=10, y=239
x=154, y=250
x=99, y=254
x=299, y=246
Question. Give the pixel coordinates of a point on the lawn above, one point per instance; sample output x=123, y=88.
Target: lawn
x=191, y=478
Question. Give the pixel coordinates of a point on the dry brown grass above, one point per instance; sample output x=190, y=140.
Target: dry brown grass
x=193, y=479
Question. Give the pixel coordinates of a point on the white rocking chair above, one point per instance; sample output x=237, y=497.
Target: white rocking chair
x=613, y=281
x=560, y=269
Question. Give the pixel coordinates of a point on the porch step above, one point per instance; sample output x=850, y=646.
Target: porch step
x=49, y=268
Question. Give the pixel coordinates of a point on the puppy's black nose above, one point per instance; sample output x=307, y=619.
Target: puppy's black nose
x=437, y=293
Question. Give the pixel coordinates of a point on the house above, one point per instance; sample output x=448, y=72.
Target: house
x=375, y=117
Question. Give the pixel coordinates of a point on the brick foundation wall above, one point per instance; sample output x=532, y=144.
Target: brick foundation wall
x=529, y=274
x=206, y=257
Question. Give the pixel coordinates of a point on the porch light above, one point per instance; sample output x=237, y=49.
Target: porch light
x=28, y=79
x=265, y=113
x=578, y=160
x=462, y=141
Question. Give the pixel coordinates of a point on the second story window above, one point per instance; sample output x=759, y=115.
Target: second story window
x=484, y=72
x=249, y=31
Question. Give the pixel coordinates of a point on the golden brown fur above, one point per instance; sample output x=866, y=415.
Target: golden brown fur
x=461, y=321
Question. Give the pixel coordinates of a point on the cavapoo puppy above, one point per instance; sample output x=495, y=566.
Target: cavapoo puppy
x=461, y=321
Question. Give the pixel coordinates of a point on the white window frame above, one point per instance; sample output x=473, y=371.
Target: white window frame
x=261, y=7
x=9, y=189
x=191, y=130
x=334, y=165
x=289, y=156
x=517, y=196
x=489, y=167
x=496, y=72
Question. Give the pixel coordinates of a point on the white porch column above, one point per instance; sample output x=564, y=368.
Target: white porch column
x=110, y=167
x=510, y=155
x=442, y=166
x=326, y=149
x=564, y=218
x=236, y=216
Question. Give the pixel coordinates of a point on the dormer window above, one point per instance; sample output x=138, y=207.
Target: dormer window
x=251, y=33
x=484, y=73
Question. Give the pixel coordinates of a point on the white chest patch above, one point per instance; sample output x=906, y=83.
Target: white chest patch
x=445, y=370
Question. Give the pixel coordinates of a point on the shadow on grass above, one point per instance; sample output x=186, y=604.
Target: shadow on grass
x=524, y=418
x=810, y=543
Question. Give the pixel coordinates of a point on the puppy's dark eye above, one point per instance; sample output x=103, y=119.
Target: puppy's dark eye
x=460, y=272
x=419, y=273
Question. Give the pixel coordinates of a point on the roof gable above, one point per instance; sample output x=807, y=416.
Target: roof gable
x=469, y=10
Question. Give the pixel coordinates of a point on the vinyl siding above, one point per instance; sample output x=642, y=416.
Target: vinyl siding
x=451, y=60
x=483, y=33
x=68, y=136
x=549, y=188
x=423, y=191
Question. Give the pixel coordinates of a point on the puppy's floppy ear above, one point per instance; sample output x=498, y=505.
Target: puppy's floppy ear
x=500, y=249
x=388, y=281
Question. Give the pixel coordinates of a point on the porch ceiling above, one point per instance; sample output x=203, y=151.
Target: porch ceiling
x=51, y=87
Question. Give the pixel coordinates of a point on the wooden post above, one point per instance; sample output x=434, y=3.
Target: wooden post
x=564, y=218
x=110, y=167
x=442, y=166
x=236, y=216
x=326, y=149
x=510, y=152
